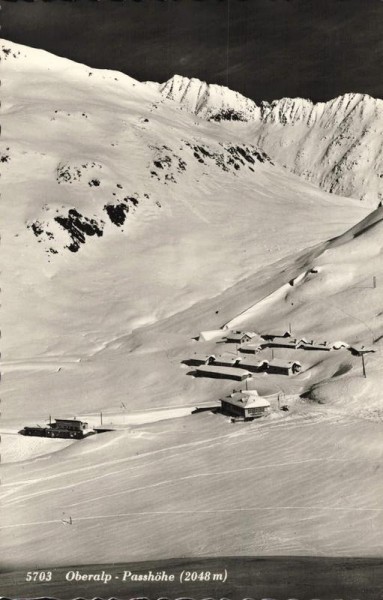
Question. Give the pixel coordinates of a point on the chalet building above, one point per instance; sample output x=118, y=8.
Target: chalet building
x=245, y=404
x=240, y=337
x=222, y=372
x=254, y=364
x=283, y=367
x=200, y=359
x=276, y=334
x=227, y=360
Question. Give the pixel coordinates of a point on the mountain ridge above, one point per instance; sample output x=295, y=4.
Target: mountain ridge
x=337, y=144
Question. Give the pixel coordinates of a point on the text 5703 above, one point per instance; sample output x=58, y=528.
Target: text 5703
x=38, y=576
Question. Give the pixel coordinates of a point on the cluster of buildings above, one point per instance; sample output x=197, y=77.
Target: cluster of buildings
x=230, y=365
x=240, y=365
x=248, y=359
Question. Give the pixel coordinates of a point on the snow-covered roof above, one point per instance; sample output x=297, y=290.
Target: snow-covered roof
x=339, y=344
x=281, y=333
x=284, y=364
x=254, y=349
x=218, y=370
x=211, y=334
x=286, y=341
x=360, y=349
x=228, y=358
x=253, y=361
x=315, y=344
x=245, y=399
x=239, y=335
x=256, y=339
x=201, y=356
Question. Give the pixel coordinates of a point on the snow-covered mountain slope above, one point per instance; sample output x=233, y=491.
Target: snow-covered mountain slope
x=337, y=144
x=209, y=101
x=101, y=175
x=129, y=225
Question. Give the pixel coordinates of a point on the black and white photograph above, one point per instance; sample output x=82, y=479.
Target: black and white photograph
x=191, y=299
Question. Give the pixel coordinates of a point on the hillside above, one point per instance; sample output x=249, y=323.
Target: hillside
x=101, y=175
x=105, y=288
x=336, y=145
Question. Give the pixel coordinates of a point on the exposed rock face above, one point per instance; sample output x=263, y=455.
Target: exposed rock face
x=78, y=228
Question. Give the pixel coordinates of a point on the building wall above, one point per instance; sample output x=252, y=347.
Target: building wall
x=255, y=412
x=279, y=370
x=242, y=412
x=232, y=410
x=69, y=425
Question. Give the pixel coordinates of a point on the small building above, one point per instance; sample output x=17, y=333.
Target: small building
x=222, y=372
x=276, y=334
x=253, y=364
x=61, y=428
x=35, y=430
x=245, y=404
x=240, y=337
x=283, y=342
x=212, y=334
x=200, y=359
x=251, y=347
x=283, y=367
x=359, y=350
x=338, y=345
x=313, y=345
x=69, y=425
x=227, y=360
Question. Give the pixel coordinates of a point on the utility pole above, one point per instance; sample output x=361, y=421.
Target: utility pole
x=374, y=282
x=364, y=366
x=290, y=328
x=101, y=417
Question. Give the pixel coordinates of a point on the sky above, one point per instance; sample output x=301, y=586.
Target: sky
x=265, y=49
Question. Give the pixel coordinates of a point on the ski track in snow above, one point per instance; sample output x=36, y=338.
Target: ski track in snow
x=201, y=511
x=202, y=445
